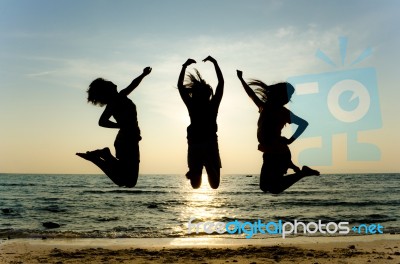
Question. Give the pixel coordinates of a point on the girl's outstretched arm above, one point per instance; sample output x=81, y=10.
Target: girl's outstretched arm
x=249, y=91
x=219, y=91
x=184, y=95
x=135, y=83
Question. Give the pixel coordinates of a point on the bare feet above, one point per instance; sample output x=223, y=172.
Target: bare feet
x=307, y=171
x=86, y=156
x=96, y=154
x=294, y=167
x=104, y=153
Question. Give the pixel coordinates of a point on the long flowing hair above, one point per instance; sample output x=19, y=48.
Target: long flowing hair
x=282, y=91
x=198, y=86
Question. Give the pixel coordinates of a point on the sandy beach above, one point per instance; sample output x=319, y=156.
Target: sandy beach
x=351, y=249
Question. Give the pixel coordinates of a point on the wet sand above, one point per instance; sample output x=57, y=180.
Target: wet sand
x=349, y=249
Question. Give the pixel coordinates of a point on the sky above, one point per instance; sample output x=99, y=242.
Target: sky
x=50, y=51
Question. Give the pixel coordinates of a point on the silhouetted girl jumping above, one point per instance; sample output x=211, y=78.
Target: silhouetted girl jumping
x=202, y=131
x=273, y=117
x=123, y=169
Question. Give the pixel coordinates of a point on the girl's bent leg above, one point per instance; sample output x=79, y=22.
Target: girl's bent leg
x=269, y=180
x=307, y=171
x=272, y=177
x=104, y=153
x=130, y=174
x=109, y=166
x=277, y=183
x=128, y=154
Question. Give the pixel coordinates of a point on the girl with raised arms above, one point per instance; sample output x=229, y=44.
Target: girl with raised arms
x=203, y=106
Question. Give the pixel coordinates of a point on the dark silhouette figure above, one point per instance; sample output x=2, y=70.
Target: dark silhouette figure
x=123, y=169
x=273, y=117
x=202, y=131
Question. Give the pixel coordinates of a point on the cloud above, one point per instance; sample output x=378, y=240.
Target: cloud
x=38, y=74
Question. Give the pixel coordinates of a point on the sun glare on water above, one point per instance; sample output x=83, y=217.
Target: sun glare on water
x=204, y=193
x=201, y=201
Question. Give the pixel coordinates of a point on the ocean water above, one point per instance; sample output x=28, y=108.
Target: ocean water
x=161, y=205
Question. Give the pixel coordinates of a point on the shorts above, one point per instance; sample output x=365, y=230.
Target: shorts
x=127, y=147
x=203, y=154
x=278, y=163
